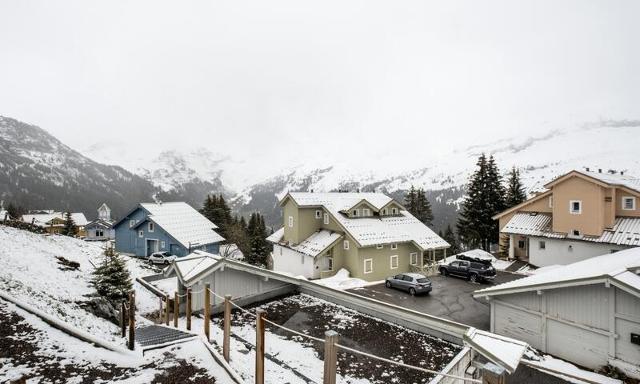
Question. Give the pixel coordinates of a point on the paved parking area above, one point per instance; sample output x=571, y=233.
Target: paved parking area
x=451, y=299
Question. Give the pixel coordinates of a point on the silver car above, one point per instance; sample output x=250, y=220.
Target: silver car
x=414, y=283
x=161, y=258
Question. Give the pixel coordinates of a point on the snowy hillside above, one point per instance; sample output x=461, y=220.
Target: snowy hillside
x=30, y=272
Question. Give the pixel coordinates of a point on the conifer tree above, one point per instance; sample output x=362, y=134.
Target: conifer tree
x=484, y=199
x=451, y=238
x=423, y=208
x=515, y=193
x=112, y=279
x=70, y=228
x=410, y=199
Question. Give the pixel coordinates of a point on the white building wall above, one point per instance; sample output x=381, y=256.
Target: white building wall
x=590, y=325
x=563, y=252
x=296, y=263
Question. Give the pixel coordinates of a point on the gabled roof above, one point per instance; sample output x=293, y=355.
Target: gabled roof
x=43, y=219
x=504, y=351
x=192, y=266
x=183, y=223
x=368, y=231
x=100, y=222
x=625, y=231
x=524, y=203
x=619, y=268
x=606, y=178
x=313, y=245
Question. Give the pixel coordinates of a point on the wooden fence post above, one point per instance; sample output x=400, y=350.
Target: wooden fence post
x=160, y=312
x=188, y=309
x=167, y=305
x=227, y=327
x=207, y=310
x=493, y=374
x=330, y=357
x=176, y=309
x=260, y=346
x=123, y=319
x=132, y=319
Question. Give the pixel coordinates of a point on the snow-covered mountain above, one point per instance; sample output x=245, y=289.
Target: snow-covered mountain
x=40, y=172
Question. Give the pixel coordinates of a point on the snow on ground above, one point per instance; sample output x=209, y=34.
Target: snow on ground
x=549, y=362
x=168, y=286
x=498, y=264
x=342, y=280
x=294, y=359
x=30, y=272
x=46, y=355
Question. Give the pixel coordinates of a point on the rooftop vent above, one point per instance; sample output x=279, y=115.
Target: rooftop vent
x=599, y=170
x=621, y=173
x=586, y=169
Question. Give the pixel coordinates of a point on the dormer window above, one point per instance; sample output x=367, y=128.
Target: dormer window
x=628, y=203
x=384, y=211
x=318, y=214
x=575, y=207
x=354, y=213
x=366, y=212
x=132, y=223
x=394, y=211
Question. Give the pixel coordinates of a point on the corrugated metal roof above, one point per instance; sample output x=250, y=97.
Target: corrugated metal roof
x=628, y=181
x=615, y=266
x=625, y=231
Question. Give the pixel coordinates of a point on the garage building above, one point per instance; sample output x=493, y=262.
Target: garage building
x=586, y=312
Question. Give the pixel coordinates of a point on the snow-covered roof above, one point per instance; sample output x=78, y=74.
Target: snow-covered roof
x=276, y=236
x=625, y=231
x=368, y=231
x=183, y=223
x=339, y=201
x=317, y=242
x=504, y=351
x=43, y=219
x=192, y=265
x=624, y=180
x=615, y=267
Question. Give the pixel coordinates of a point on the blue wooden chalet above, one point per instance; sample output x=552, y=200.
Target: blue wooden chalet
x=175, y=227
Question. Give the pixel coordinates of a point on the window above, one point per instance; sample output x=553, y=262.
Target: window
x=132, y=223
x=521, y=244
x=302, y=259
x=384, y=211
x=394, y=246
x=290, y=221
x=345, y=244
x=629, y=203
x=393, y=262
x=330, y=263
x=575, y=207
x=413, y=258
x=394, y=211
x=379, y=246
x=163, y=244
x=318, y=214
x=366, y=212
x=550, y=201
x=99, y=233
x=150, y=227
x=576, y=232
x=407, y=278
x=326, y=218
x=368, y=265
x=140, y=233
x=542, y=245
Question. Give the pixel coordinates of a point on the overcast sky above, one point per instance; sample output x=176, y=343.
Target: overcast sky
x=331, y=77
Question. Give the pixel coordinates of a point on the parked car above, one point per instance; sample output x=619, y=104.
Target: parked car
x=161, y=258
x=472, y=270
x=413, y=283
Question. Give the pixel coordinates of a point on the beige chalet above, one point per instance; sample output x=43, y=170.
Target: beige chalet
x=368, y=234
x=582, y=214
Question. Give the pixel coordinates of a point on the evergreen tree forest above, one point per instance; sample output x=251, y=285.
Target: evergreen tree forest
x=249, y=237
x=416, y=202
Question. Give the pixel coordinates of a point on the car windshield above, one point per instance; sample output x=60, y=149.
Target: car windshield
x=423, y=280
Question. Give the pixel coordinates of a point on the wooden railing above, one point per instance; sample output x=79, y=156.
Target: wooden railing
x=427, y=269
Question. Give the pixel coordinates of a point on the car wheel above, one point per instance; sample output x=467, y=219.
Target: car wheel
x=388, y=284
x=473, y=278
x=443, y=272
x=412, y=291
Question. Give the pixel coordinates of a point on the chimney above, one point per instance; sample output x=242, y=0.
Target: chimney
x=587, y=168
x=599, y=170
x=621, y=173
